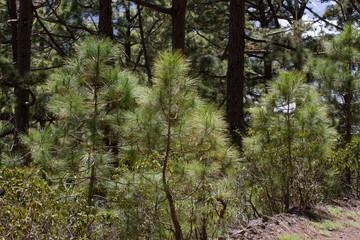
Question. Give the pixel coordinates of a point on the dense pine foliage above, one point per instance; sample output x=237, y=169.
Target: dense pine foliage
x=134, y=119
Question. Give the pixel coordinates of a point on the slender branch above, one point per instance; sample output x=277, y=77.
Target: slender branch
x=354, y=6
x=154, y=6
x=6, y=133
x=46, y=68
x=323, y=19
x=143, y=42
x=52, y=39
x=61, y=20
x=276, y=20
x=273, y=43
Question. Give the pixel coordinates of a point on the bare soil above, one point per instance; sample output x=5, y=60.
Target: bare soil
x=306, y=224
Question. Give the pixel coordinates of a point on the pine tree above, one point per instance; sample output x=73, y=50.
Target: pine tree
x=337, y=74
x=287, y=152
x=186, y=138
x=89, y=94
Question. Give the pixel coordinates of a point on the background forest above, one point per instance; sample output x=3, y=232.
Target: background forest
x=134, y=119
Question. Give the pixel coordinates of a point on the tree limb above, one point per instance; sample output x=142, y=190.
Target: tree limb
x=52, y=39
x=6, y=133
x=273, y=43
x=323, y=19
x=154, y=6
x=354, y=6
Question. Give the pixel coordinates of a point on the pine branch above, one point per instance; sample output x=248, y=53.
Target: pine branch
x=154, y=6
x=273, y=43
x=323, y=19
x=6, y=133
x=52, y=39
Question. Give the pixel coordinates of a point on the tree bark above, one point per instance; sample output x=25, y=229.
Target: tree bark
x=177, y=13
x=128, y=36
x=105, y=18
x=178, y=24
x=348, y=99
x=143, y=43
x=235, y=71
x=11, y=5
x=23, y=65
x=177, y=231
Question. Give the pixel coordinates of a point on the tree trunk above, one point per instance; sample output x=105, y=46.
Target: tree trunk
x=235, y=71
x=177, y=13
x=105, y=18
x=348, y=99
x=178, y=24
x=11, y=5
x=23, y=64
x=177, y=231
x=128, y=37
x=143, y=43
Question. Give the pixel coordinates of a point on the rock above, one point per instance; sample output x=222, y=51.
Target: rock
x=265, y=218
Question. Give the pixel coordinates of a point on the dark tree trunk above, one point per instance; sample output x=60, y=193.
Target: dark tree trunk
x=264, y=23
x=177, y=13
x=178, y=24
x=11, y=5
x=23, y=64
x=143, y=43
x=128, y=36
x=105, y=18
x=267, y=68
x=235, y=72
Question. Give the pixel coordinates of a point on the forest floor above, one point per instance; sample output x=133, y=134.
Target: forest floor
x=340, y=220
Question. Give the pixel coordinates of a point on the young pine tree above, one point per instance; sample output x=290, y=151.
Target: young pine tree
x=89, y=97
x=337, y=74
x=186, y=139
x=287, y=151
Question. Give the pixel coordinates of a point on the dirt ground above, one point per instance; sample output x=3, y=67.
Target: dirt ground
x=340, y=220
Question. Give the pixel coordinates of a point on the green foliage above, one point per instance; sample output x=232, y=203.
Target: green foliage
x=337, y=74
x=89, y=98
x=344, y=157
x=287, y=152
x=186, y=137
x=31, y=209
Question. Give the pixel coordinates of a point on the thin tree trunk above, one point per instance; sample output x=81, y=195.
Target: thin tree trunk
x=178, y=231
x=288, y=165
x=348, y=98
x=105, y=18
x=143, y=42
x=23, y=64
x=235, y=71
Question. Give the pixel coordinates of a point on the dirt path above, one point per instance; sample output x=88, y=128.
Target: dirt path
x=341, y=220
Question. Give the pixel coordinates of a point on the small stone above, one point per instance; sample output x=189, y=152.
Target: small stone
x=265, y=218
